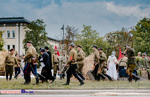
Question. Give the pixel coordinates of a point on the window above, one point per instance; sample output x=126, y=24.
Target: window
x=13, y=34
x=8, y=34
x=13, y=46
x=8, y=47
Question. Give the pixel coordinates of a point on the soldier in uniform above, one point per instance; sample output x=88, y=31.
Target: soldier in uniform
x=122, y=65
x=63, y=61
x=9, y=63
x=138, y=59
x=131, y=63
x=102, y=65
x=31, y=64
x=17, y=66
x=144, y=65
x=96, y=61
x=80, y=61
x=73, y=65
x=55, y=61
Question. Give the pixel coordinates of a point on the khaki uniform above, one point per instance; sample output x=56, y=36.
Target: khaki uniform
x=64, y=60
x=123, y=61
x=10, y=61
x=102, y=63
x=80, y=61
x=55, y=62
x=131, y=63
x=18, y=62
x=96, y=56
x=30, y=53
x=72, y=57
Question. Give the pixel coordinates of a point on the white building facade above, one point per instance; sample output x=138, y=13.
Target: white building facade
x=14, y=33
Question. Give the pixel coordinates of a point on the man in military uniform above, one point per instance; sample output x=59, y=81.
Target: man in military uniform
x=80, y=61
x=73, y=65
x=131, y=63
x=9, y=63
x=63, y=61
x=102, y=65
x=17, y=66
x=122, y=65
x=31, y=64
x=96, y=61
x=138, y=59
x=55, y=61
x=144, y=65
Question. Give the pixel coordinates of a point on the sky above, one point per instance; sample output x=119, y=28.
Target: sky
x=104, y=16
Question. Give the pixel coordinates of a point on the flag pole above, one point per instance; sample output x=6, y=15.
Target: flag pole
x=63, y=36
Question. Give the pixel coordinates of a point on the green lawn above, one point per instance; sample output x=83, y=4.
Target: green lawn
x=16, y=84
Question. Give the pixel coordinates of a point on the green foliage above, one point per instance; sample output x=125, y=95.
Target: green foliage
x=36, y=34
x=88, y=38
x=1, y=40
x=119, y=39
x=142, y=35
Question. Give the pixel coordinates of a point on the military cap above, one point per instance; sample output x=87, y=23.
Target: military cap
x=11, y=50
x=72, y=44
x=29, y=42
x=100, y=48
x=47, y=48
x=42, y=50
x=145, y=53
x=95, y=46
x=79, y=46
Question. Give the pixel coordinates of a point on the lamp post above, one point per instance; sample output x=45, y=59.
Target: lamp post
x=63, y=35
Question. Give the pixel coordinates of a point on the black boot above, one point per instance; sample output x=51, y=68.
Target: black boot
x=7, y=77
x=63, y=76
x=55, y=75
x=135, y=77
x=81, y=76
x=148, y=75
x=10, y=77
x=108, y=77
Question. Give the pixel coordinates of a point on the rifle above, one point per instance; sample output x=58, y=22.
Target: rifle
x=95, y=64
x=100, y=70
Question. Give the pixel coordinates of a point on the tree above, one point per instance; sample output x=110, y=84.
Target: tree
x=119, y=39
x=142, y=35
x=70, y=36
x=36, y=34
x=88, y=38
x=1, y=40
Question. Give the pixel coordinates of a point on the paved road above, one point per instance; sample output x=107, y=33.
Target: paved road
x=78, y=93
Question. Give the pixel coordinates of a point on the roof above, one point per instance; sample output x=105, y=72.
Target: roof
x=53, y=39
x=14, y=20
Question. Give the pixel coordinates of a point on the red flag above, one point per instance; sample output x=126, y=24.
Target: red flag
x=120, y=55
x=57, y=50
x=55, y=47
x=58, y=53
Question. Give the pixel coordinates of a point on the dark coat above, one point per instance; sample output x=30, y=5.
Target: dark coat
x=50, y=59
x=45, y=57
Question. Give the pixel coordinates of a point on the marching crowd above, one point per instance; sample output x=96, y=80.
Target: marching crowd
x=128, y=66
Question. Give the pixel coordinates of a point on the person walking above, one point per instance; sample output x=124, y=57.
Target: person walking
x=9, y=63
x=73, y=65
x=112, y=61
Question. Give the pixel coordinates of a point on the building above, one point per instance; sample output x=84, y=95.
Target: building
x=14, y=33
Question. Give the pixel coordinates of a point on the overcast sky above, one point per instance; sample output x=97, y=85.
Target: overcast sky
x=103, y=15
